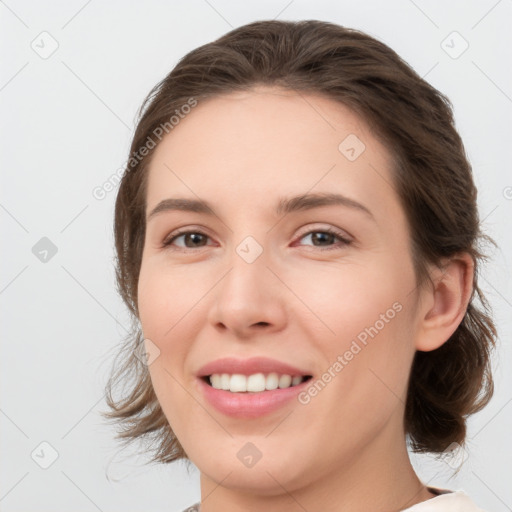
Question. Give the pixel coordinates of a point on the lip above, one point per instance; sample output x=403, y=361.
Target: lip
x=249, y=404
x=249, y=366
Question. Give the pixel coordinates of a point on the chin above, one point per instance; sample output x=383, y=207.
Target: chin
x=254, y=463
x=264, y=479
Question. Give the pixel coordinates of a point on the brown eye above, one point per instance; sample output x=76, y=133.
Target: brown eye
x=326, y=238
x=323, y=239
x=191, y=239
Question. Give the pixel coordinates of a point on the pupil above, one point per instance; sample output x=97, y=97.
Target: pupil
x=320, y=235
x=194, y=236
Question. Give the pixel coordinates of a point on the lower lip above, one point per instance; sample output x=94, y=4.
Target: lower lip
x=249, y=405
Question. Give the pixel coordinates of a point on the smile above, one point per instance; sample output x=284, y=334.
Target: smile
x=255, y=383
x=249, y=388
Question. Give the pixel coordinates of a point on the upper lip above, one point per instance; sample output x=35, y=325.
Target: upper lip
x=249, y=366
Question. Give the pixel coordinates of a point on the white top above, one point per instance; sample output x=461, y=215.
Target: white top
x=447, y=501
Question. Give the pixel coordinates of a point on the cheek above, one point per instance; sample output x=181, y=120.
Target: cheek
x=170, y=305
x=162, y=320
x=367, y=311
x=351, y=297
x=165, y=298
x=165, y=303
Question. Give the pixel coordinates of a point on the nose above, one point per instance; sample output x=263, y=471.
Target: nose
x=250, y=299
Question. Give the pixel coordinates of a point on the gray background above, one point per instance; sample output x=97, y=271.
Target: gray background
x=67, y=121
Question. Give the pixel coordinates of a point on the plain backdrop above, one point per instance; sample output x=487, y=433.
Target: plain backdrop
x=72, y=76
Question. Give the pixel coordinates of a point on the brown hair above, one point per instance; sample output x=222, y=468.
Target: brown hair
x=431, y=174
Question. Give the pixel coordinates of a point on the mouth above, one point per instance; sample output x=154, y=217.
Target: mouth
x=254, y=383
x=250, y=388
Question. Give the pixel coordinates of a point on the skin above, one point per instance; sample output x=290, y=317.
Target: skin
x=298, y=302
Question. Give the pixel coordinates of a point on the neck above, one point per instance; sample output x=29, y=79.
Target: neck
x=377, y=477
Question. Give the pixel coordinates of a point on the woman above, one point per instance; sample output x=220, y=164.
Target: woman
x=297, y=235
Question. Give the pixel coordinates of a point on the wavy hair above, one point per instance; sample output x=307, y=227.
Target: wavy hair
x=431, y=174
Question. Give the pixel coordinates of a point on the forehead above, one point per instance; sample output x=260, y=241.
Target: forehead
x=247, y=147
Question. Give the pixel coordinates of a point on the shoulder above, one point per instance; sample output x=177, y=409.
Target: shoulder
x=446, y=501
x=194, y=508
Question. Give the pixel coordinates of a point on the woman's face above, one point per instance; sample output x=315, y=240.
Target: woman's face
x=325, y=290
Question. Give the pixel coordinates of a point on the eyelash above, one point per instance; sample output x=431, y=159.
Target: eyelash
x=168, y=242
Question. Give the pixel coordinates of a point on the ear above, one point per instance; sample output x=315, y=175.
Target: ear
x=444, y=305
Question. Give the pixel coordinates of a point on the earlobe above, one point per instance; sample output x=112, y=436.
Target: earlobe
x=447, y=302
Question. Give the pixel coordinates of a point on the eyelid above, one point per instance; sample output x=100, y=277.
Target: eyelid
x=183, y=231
x=325, y=228
x=342, y=235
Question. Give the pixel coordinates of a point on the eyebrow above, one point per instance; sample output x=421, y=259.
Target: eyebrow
x=284, y=205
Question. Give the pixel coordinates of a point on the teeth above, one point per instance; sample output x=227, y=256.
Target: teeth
x=216, y=381
x=224, y=381
x=296, y=380
x=238, y=383
x=272, y=381
x=254, y=383
x=285, y=381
